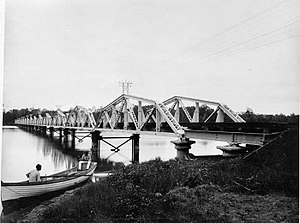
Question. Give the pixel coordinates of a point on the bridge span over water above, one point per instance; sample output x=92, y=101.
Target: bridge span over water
x=180, y=116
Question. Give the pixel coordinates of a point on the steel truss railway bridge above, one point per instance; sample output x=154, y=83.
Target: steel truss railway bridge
x=137, y=115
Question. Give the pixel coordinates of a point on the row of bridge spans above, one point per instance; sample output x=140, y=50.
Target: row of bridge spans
x=137, y=115
x=128, y=112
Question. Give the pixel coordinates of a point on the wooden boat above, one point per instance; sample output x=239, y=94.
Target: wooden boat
x=56, y=182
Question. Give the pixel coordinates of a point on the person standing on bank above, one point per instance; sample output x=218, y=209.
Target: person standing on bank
x=86, y=158
x=34, y=175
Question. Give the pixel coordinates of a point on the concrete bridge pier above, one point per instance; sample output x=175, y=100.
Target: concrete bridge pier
x=183, y=145
x=96, y=137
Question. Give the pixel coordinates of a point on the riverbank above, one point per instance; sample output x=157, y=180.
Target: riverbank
x=262, y=188
x=216, y=206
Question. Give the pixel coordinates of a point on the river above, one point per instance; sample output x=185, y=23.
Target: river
x=22, y=150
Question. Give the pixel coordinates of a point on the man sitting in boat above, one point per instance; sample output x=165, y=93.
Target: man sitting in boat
x=34, y=175
x=85, y=159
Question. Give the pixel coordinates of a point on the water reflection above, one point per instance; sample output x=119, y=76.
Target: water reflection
x=23, y=150
x=55, y=150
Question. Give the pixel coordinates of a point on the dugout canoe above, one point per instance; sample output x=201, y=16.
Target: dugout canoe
x=56, y=182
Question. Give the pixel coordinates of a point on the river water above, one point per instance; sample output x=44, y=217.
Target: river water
x=22, y=150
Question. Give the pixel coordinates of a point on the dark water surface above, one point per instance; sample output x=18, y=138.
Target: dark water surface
x=22, y=150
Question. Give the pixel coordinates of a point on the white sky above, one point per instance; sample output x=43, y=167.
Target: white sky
x=70, y=52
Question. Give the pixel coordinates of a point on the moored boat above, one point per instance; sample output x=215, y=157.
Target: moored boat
x=56, y=182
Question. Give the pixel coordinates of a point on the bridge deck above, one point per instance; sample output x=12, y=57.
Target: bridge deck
x=249, y=133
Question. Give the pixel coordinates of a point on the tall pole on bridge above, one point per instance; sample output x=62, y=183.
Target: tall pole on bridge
x=125, y=86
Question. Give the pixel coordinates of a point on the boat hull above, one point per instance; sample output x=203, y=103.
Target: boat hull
x=12, y=191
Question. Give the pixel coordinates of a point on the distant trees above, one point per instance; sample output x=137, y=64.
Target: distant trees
x=249, y=116
x=10, y=116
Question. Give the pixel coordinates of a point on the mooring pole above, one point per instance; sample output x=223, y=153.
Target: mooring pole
x=135, y=147
x=96, y=145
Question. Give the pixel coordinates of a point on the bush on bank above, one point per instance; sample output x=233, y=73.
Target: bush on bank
x=183, y=191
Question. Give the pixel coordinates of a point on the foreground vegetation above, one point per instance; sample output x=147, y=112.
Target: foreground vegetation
x=260, y=188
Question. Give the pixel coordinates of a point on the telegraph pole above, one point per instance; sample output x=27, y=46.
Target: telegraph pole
x=125, y=86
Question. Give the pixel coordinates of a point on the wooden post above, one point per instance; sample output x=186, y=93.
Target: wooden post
x=135, y=147
x=96, y=145
x=73, y=134
x=44, y=130
x=51, y=129
x=66, y=136
x=60, y=134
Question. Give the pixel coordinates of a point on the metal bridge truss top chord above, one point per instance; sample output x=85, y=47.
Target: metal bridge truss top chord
x=176, y=103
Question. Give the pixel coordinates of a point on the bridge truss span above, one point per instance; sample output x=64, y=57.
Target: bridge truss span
x=177, y=116
x=193, y=115
x=140, y=114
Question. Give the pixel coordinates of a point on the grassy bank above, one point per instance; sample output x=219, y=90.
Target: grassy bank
x=261, y=188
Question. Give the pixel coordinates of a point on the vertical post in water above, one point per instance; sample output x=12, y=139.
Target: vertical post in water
x=51, y=129
x=44, y=130
x=135, y=147
x=73, y=134
x=66, y=136
x=96, y=145
x=60, y=134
